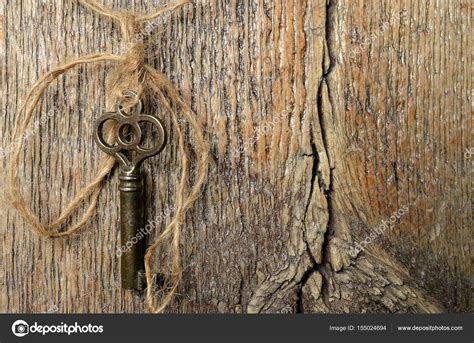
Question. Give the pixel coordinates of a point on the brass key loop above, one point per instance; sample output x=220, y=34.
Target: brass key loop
x=129, y=121
x=128, y=136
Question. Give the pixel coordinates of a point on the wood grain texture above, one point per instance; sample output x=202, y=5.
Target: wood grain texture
x=315, y=140
x=405, y=78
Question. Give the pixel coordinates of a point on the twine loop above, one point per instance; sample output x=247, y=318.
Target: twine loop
x=130, y=73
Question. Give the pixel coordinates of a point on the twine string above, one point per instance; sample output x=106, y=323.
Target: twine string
x=130, y=73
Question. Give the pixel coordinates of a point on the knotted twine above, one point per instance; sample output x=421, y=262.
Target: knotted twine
x=130, y=73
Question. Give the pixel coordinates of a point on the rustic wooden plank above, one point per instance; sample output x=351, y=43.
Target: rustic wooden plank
x=406, y=110
x=311, y=147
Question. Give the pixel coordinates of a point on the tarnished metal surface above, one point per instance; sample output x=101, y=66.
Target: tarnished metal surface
x=126, y=147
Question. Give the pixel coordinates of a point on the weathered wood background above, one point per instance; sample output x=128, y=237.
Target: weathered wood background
x=325, y=118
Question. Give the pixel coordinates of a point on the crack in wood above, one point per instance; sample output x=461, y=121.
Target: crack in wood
x=327, y=67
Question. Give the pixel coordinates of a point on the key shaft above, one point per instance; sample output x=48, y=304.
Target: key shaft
x=131, y=221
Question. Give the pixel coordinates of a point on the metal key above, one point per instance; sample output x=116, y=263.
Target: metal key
x=127, y=150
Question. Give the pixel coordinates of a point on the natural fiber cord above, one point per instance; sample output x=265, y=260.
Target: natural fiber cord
x=131, y=73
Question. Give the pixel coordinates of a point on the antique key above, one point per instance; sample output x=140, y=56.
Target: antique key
x=128, y=151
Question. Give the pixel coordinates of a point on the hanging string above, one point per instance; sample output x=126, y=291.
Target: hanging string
x=130, y=73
